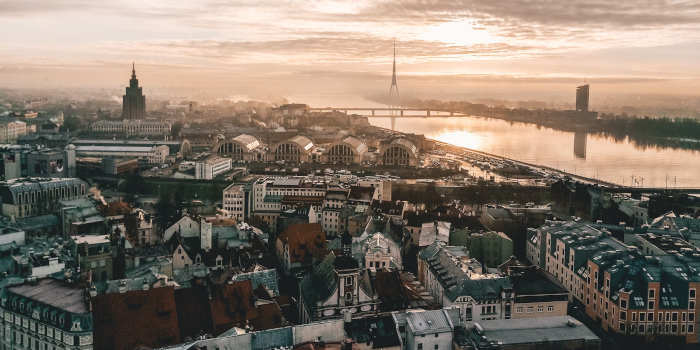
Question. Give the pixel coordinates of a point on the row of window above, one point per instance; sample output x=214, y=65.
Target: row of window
x=660, y=329
x=649, y=316
x=531, y=309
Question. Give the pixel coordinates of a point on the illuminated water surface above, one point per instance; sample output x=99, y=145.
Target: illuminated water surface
x=583, y=154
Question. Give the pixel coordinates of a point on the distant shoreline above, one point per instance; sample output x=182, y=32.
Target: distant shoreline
x=680, y=133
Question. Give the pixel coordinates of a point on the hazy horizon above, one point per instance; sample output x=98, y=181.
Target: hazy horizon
x=515, y=50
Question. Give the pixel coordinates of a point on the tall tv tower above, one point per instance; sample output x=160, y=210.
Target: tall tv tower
x=394, y=99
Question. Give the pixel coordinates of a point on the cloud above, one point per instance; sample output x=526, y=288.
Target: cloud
x=333, y=47
x=570, y=13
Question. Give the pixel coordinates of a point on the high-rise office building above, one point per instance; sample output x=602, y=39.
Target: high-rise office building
x=582, y=98
x=134, y=102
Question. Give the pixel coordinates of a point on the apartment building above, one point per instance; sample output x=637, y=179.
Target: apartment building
x=127, y=127
x=212, y=167
x=45, y=314
x=234, y=202
x=457, y=281
x=268, y=194
x=333, y=219
x=630, y=290
x=30, y=196
x=10, y=130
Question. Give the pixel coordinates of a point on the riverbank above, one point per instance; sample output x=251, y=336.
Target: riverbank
x=678, y=133
x=543, y=171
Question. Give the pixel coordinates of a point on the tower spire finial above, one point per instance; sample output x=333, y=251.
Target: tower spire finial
x=133, y=69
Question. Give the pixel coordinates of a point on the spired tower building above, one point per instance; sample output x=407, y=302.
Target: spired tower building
x=134, y=102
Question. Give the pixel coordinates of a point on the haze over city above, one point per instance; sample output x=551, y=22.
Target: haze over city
x=349, y=175
x=446, y=49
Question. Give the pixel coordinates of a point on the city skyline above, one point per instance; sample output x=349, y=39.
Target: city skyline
x=473, y=47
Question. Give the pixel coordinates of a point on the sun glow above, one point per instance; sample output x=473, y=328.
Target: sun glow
x=458, y=33
x=462, y=138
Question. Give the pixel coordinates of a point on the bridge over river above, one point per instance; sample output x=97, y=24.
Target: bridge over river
x=391, y=112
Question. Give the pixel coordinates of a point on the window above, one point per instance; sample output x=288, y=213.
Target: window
x=634, y=317
x=540, y=308
x=690, y=329
x=420, y=346
x=550, y=308
x=691, y=304
x=674, y=328
x=651, y=293
x=642, y=317
x=674, y=317
x=436, y=346
x=623, y=304
x=641, y=328
x=651, y=305
x=622, y=326
x=436, y=335
x=623, y=315
x=691, y=294
x=691, y=316
x=519, y=309
x=650, y=316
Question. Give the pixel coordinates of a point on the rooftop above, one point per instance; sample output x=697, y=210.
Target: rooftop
x=429, y=322
x=535, y=330
x=91, y=239
x=91, y=148
x=55, y=293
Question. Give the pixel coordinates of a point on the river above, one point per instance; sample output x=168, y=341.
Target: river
x=583, y=154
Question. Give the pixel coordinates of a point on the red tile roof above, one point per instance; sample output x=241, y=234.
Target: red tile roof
x=269, y=317
x=305, y=241
x=231, y=305
x=136, y=318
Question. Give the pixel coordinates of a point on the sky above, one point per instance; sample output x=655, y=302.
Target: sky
x=510, y=49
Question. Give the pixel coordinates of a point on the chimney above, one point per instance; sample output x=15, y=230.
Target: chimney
x=122, y=286
x=205, y=234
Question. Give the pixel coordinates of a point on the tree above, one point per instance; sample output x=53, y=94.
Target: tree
x=71, y=123
x=133, y=185
x=131, y=224
x=175, y=129
x=179, y=196
x=166, y=209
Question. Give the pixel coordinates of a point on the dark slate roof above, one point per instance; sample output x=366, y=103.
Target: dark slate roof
x=345, y=263
x=480, y=289
x=533, y=285
x=54, y=293
x=320, y=284
x=361, y=193
x=273, y=338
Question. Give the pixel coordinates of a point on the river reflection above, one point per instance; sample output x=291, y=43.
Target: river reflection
x=593, y=155
x=580, y=139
